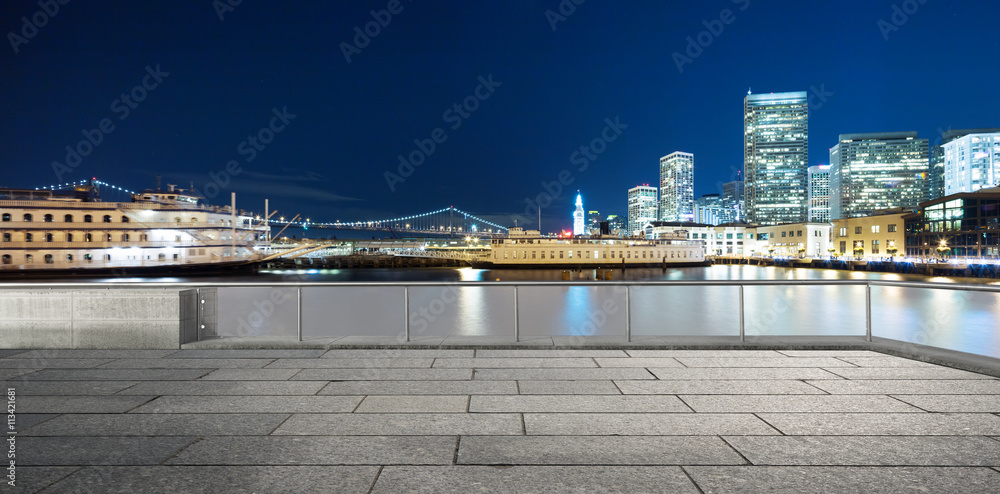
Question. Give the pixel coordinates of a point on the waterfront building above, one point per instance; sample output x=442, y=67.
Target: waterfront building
x=935, y=176
x=872, y=172
x=880, y=235
x=732, y=202
x=967, y=223
x=594, y=221
x=804, y=239
x=708, y=209
x=776, y=150
x=677, y=187
x=819, y=193
x=971, y=160
x=642, y=207
x=578, y=217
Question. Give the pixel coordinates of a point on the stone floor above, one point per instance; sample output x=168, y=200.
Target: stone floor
x=491, y=420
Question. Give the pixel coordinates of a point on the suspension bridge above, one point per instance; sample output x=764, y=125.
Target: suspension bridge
x=449, y=221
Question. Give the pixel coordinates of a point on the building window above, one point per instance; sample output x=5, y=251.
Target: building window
x=27, y=217
x=739, y=236
x=161, y=257
x=69, y=237
x=48, y=259
x=88, y=218
x=88, y=237
x=6, y=259
x=875, y=228
x=857, y=230
x=29, y=259
x=107, y=218
x=560, y=254
x=47, y=218
x=107, y=237
x=88, y=257
x=6, y=237
x=177, y=219
x=843, y=232
x=782, y=234
x=125, y=237
x=6, y=217
x=68, y=218
x=874, y=246
x=798, y=233
x=892, y=228
x=28, y=237
x=532, y=254
x=125, y=219
x=69, y=257
x=194, y=220
x=48, y=237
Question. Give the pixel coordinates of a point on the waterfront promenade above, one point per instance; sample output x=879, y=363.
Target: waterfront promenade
x=499, y=420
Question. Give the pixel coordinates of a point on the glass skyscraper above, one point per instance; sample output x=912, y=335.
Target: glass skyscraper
x=642, y=204
x=677, y=187
x=733, y=207
x=709, y=209
x=775, y=153
x=971, y=160
x=877, y=171
x=819, y=193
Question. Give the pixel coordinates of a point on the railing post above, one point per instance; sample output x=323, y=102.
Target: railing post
x=628, y=314
x=868, y=312
x=298, y=312
x=743, y=336
x=197, y=312
x=406, y=312
x=517, y=336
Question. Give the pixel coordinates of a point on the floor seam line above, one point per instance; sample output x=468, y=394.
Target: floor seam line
x=375, y=480
x=768, y=423
x=747, y=460
x=693, y=482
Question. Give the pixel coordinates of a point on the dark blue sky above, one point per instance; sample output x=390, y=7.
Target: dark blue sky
x=556, y=90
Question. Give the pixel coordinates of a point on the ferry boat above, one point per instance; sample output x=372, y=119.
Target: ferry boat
x=529, y=249
x=72, y=231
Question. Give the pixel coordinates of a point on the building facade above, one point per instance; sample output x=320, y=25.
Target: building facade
x=708, y=209
x=793, y=240
x=677, y=187
x=819, y=193
x=967, y=224
x=875, y=236
x=733, y=206
x=594, y=220
x=872, y=172
x=775, y=153
x=935, y=176
x=642, y=207
x=971, y=160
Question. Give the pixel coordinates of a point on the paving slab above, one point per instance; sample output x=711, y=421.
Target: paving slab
x=118, y=374
x=746, y=373
x=590, y=450
x=250, y=404
x=910, y=386
x=79, y=404
x=77, y=451
x=858, y=424
x=398, y=353
x=250, y=374
x=351, y=363
x=830, y=353
x=414, y=404
x=174, y=479
x=883, y=373
x=220, y=388
x=550, y=353
x=187, y=363
x=738, y=362
x=579, y=374
x=419, y=388
x=19, y=373
x=25, y=421
x=403, y=424
x=887, y=361
x=639, y=362
x=384, y=375
x=823, y=480
x=267, y=353
x=513, y=362
x=717, y=387
x=643, y=424
x=8, y=353
x=91, y=354
x=589, y=387
x=52, y=363
x=319, y=450
x=703, y=353
x=954, y=403
x=34, y=479
x=578, y=404
x=795, y=403
x=518, y=479
x=189, y=424
x=868, y=450
x=63, y=388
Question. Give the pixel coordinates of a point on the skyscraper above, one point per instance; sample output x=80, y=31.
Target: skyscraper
x=971, y=160
x=594, y=220
x=677, y=187
x=733, y=206
x=578, y=217
x=935, y=175
x=775, y=153
x=877, y=171
x=709, y=209
x=819, y=193
x=641, y=207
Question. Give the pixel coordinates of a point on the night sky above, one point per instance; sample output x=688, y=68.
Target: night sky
x=536, y=87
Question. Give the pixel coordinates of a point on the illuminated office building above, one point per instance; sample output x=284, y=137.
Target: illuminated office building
x=677, y=187
x=873, y=172
x=775, y=153
x=642, y=202
x=971, y=160
x=819, y=193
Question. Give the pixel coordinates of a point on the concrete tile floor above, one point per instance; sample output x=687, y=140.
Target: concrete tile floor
x=499, y=420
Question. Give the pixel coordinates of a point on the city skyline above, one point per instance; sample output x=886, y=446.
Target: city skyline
x=315, y=121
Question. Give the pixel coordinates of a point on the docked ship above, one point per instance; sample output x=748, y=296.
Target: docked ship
x=529, y=249
x=72, y=231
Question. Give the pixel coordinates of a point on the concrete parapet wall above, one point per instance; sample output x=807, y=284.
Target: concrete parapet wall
x=90, y=318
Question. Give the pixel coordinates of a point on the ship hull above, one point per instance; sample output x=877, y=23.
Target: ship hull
x=193, y=269
x=493, y=265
